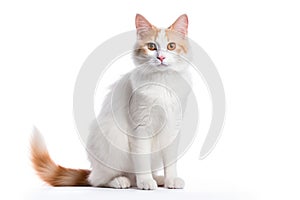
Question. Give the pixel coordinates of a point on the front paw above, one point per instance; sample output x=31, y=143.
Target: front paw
x=147, y=184
x=174, y=183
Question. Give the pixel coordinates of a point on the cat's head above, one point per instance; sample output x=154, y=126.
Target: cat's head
x=161, y=48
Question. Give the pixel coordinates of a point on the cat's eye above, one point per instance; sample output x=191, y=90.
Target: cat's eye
x=171, y=46
x=151, y=46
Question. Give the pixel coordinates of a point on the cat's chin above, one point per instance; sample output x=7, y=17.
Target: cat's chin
x=170, y=68
x=162, y=67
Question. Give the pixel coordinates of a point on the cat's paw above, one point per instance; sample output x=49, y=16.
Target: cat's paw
x=147, y=184
x=174, y=183
x=120, y=182
x=160, y=180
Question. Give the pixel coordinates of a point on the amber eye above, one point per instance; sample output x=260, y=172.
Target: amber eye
x=151, y=46
x=171, y=46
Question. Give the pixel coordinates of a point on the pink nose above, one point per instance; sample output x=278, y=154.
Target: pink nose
x=161, y=58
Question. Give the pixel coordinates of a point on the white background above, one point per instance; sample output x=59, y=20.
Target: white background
x=254, y=44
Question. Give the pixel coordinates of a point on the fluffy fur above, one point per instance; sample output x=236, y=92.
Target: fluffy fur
x=49, y=171
x=138, y=128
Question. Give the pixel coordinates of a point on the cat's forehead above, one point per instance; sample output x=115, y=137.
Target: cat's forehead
x=161, y=36
x=155, y=34
x=167, y=35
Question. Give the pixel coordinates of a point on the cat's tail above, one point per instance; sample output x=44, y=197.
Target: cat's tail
x=49, y=171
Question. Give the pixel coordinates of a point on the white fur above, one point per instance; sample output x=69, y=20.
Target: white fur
x=38, y=140
x=141, y=117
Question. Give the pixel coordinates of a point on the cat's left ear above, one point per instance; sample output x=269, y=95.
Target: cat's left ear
x=180, y=25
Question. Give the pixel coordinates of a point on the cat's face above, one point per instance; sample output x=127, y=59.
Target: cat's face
x=161, y=49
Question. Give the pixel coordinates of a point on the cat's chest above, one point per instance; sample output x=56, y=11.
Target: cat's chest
x=162, y=91
x=165, y=90
x=156, y=94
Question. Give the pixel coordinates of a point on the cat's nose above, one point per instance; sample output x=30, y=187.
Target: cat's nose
x=161, y=58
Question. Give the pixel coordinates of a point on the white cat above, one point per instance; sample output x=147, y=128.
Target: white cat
x=138, y=128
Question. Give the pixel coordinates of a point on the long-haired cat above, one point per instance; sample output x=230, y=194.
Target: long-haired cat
x=147, y=104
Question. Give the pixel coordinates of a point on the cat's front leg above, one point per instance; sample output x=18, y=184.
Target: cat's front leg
x=141, y=157
x=172, y=181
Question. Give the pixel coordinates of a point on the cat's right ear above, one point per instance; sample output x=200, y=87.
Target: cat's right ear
x=142, y=24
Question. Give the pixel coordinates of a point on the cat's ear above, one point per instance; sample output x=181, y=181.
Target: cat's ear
x=142, y=24
x=180, y=25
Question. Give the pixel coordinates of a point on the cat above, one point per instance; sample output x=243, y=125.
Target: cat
x=146, y=107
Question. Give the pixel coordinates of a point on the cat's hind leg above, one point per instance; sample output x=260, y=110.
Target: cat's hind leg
x=160, y=180
x=101, y=176
x=120, y=182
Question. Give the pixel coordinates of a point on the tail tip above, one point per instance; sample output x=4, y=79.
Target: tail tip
x=37, y=140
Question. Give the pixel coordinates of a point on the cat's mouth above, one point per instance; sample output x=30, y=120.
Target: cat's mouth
x=162, y=64
x=162, y=67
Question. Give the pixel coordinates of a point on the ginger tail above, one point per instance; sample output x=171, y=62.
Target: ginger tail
x=49, y=171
